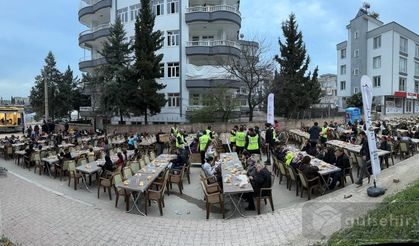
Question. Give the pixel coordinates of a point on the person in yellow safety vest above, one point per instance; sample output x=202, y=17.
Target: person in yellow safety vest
x=240, y=140
x=323, y=133
x=204, y=142
x=288, y=158
x=252, y=142
x=233, y=137
x=209, y=132
x=180, y=140
x=174, y=131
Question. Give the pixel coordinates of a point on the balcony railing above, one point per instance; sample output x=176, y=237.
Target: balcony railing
x=95, y=29
x=90, y=58
x=213, y=43
x=215, y=8
x=87, y=3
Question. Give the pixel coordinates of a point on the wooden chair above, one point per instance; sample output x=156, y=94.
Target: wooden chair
x=266, y=193
x=293, y=178
x=73, y=174
x=8, y=152
x=106, y=182
x=146, y=159
x=283, y=172
x=212, y=198
x=404, y=150
x=38, y=164
x=157, y=195
x=127, y=172
x=176, y=177
x=91, y=158
x=308, y=184
x=135, y=166
x=152, y=155
x=188, y=170
x=117, y=179
x=347, y=172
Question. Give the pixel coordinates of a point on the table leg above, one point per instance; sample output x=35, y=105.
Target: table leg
x=236, y=206
x=48, y=167
x=326, y=187
x=134, y=204
x=83, y=177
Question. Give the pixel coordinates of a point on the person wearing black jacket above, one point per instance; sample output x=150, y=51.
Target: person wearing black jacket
x=261, y=179
x=309, y=170
x=269, y=135
x=329, y=156
x=109, y=165
x=342, y=161
x=366, y=159
x=314, y=132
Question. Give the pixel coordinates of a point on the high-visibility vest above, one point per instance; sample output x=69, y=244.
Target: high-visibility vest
x=232, y=137
x=288, y=158
x=240, y=139
x=203, y=141
x=180, y=145
x=253, y=143
x=324, y=132
x=274, y=134
x=175, y=131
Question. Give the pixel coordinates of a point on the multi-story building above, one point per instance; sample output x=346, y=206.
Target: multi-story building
x=198, y=36
x=329, y=90
x=388, y=54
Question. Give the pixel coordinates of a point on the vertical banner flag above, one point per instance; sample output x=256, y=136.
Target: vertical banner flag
x=366, y=89
x=270, y=113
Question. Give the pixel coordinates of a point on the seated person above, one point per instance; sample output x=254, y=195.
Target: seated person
x=309, y=170
x=329, y=156
x=212, y=170
x=342, y=161
x=261, y=179
x=120, y=162
x=179, y=162
x=306, y=146
x=416, y=135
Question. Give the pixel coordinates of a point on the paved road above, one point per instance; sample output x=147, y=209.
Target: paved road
x=32, y=215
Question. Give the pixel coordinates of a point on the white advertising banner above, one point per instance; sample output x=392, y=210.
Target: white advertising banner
x=270, y=114
x=366, y=89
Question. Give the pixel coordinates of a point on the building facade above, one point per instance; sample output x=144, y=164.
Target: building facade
x=198, y=36
x=389, y=55
x=328, y=84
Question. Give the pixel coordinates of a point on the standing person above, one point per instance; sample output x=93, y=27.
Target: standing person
x=277, y=126
x=131, y=142
x=66, y=126
x=29, y=131
x=159, y=143
x=240, y=140
x=270, y=140
x=174, y=131
x=233, y=138
x=252, y=142
x=204, y=141
x=36, y=130
x=366, y=159
x=314, y=132
x=323, y=136
x=180, y=140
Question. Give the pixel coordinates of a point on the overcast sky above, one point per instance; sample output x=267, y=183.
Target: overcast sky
x=29, y=29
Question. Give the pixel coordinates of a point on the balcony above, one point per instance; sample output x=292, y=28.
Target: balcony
x=91, y=7
x=213, y=48
x=100, y=31
x=213, y=83
x=213, y=13
x=88, y=64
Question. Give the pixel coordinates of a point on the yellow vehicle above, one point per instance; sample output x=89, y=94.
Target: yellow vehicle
x=11, y=119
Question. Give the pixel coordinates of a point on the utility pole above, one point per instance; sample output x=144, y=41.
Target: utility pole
x=46, y=97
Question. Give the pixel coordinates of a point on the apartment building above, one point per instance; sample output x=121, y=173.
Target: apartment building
x=328, y=86
x=198, y=36
x=388, y=54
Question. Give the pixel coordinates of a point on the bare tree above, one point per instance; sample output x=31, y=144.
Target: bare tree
x=254, y=69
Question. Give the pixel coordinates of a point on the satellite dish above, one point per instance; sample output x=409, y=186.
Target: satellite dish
x=241, y=36
x=366, y=5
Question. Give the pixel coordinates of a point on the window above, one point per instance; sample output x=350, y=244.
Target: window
x=416, y=86
x=343, y=85
x=173, y=69
x=377, y=42
x=172, y=6
x=356, y=90
x=356, y=35
x=135, y=11
x=173, y=38
x=158, y=7
x=195, y=99
x=342, y=53
x=162, y=70
x=403, y=45
x=402, y=84
x=356, y=71
x=417, y=51
x=416, y=68
x=356, y=53
x=173, y=99
x=342, y=69
x=376, y=80
x=376, y=62
x=123, y=14
x=403, y=65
